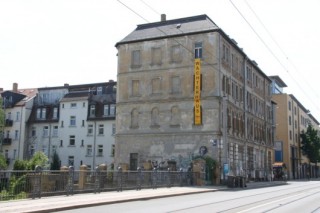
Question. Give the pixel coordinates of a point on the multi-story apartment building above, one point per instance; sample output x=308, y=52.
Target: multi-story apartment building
x=17, y=105
x=75, y=121
x=185, y=89
x=291, y=119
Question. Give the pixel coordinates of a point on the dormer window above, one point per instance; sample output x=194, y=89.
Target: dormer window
x=41, y=113
x=92, y=111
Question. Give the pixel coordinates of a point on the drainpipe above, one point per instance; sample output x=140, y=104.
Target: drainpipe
x=94, y=145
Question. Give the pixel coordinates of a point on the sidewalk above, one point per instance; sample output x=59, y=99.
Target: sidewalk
x=59, y=203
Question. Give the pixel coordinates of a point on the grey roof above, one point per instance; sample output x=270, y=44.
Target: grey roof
x=157, y=30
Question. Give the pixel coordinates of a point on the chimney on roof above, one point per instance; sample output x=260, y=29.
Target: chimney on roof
x=1, y=89
x=66, y=85
x=163, y=17
x=15, y=87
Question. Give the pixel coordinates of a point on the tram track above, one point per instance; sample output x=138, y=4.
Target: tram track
x=251, y=206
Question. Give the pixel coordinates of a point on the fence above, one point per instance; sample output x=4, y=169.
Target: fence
x=40, y=183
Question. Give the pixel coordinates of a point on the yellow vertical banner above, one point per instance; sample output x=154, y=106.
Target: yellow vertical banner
x=197, y=91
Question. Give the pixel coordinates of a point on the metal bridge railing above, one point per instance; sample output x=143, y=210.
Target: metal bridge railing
x=41, y=183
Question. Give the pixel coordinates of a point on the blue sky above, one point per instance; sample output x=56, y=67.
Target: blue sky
x=52, y=42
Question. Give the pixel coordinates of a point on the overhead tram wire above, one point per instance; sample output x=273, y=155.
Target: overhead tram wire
x=150, y=7
x=310, y=99
x=277, y=44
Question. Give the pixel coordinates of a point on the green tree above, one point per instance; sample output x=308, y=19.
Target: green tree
x=2, y=121
x=55, y=165
x=3, y=162
x=40, y=159
x=20, y=165
x=310, y=145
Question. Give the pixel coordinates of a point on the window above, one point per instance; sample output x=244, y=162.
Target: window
x=106, y=110
x=43, y=113
x=156, y=86
x=133, y=161
x=112, y=109
x=112, y=150
x=82, y=143
x=289, y=106
x=136, y=58
x=9, y=115
x=16, y=134
x=55, y=131
x=101, y=129
x=289, y=120
x=55, y=113
x=14, y=154
x=71, y=160
x=33, y=132
x=84, y=104
x=156, y=56
x=61, y=123
x=134, y=118
x=32, y=150
x=113, y=129
x=61, y=143
x=72, y=120
x=45, y=131
x=89, y=150
x=17, y=116
x=99, y=90
x=90, y=129
x=73, y=105
x=155, y=117
x=92, y=111
x=198, y=50
x=175, y=84
x=54, y=149
x=225, y=54
x=109, y=110
x=290, y=134
x=176, y=54
x=100, y=150
x=135, y=88
x=38, y=113
x=72, y=140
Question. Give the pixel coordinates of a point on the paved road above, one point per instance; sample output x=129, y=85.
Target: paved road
x=294, y=197
x=59, y=203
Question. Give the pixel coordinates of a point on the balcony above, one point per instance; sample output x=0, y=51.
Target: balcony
x=9, y=122
x=7, y=141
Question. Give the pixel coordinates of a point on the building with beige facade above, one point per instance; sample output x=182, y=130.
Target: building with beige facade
x=291, y=119
x=186, y=89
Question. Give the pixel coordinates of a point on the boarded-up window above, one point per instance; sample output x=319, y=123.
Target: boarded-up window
x=135, y=88
x=156, y=86
x=176, y=84
x=136, y=58
x=156, y=56
x=176, y=54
